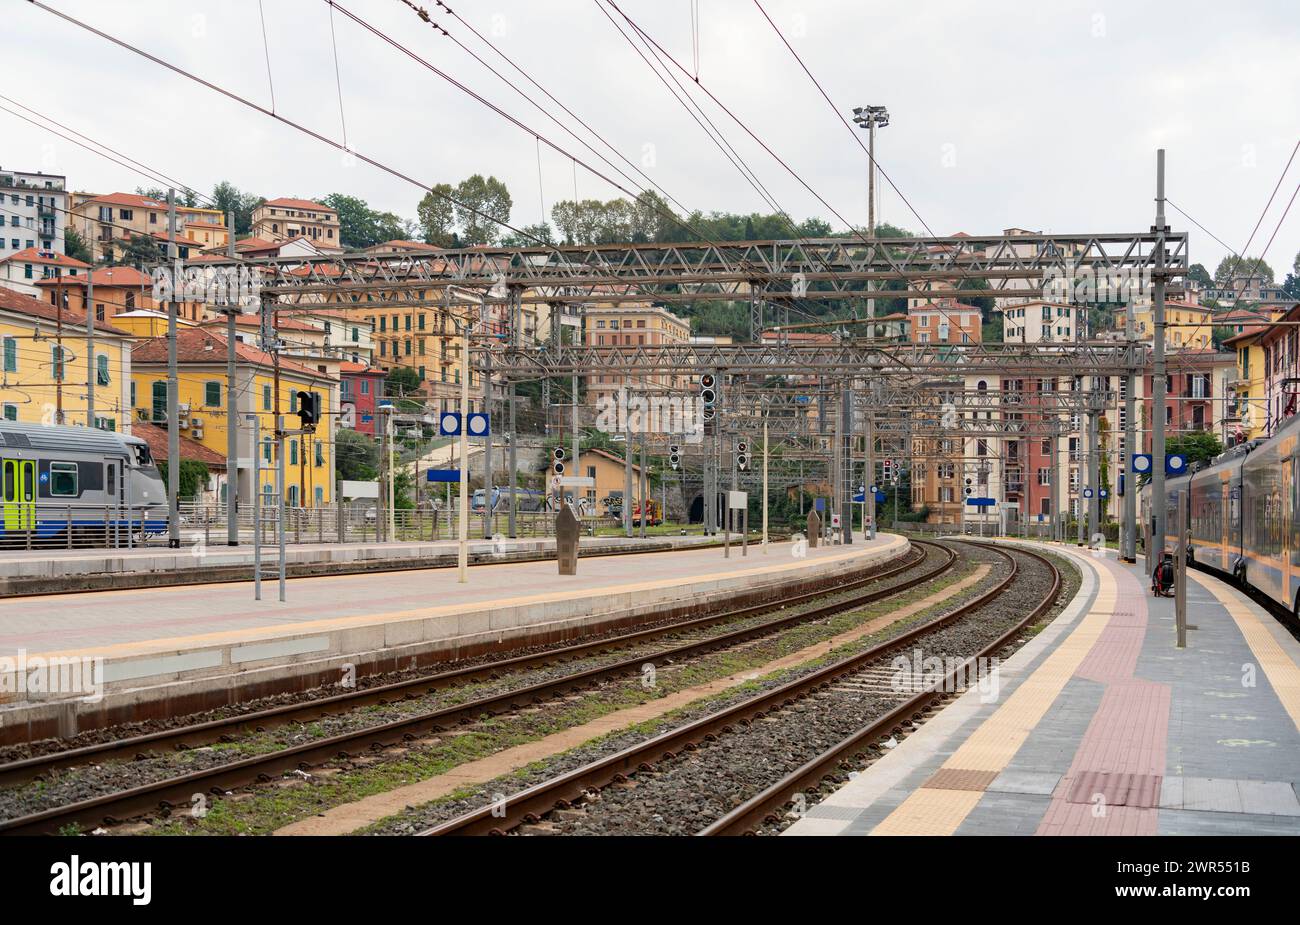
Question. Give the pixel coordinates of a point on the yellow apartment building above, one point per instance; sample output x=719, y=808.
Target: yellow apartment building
x=1249, y=386
x=45, y=366
x=107, y=223
x=202, y=399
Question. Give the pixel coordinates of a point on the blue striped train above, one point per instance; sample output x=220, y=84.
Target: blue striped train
x=76, y=486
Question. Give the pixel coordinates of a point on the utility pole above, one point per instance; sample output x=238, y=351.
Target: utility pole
x=232, y=408
x=1094, y=461
x=60, y=366
x=1158, y=501
x=764, y=484
x=846, y=464
x=488, y=486
x=1128, y=543
x=627, y=468
x=92, y=371
x=173, y=387
x=462, y=546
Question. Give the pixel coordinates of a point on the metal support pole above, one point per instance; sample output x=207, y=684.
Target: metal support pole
x=514, y=466
x=627, y=473
x=1094, y=472
x=462, y=545
x=1180, y=570
x=173, y=386
x=1128, y=543
x=232, y=411
x=869, y=497
x=488, y=484
x=845, y=486
x=643, y=483
x=279, y=488
x=1158, y=363
x=257, y=507
x=92, y=372
x=390, y=533
x=765, y=487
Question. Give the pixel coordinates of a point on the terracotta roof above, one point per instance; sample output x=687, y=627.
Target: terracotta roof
x=406, y=245
x=253, y=321
x=156, y=437
x=288, y=203
x=36, y=255
x=27, y=305
x=207, y=258
x=126, y=199
x=256, y=244
x=1246, y=334
x=945, y=305
x=200, y=345
x=106, y=276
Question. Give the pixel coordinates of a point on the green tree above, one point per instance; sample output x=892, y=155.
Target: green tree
x=483, y=203
x=356, y=456
x=74, y=245
x=401, y=382
x=193, y=476
x=361, y=226
x=228, y=198
x=140, y=250
x=1198, y=274
x=1199, y=446
x=1230, y=267
x=438, y=216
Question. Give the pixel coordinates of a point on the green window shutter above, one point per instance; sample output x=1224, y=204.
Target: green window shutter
x=293, y=452
x=212, y=394
x=101, y=369
x=266, y=398
x=159, y=400
x=11, y=355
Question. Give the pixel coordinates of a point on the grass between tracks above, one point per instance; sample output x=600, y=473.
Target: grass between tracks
x=271, y=806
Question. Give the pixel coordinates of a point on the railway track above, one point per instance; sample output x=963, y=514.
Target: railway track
x=834, y=688
x=689, y=638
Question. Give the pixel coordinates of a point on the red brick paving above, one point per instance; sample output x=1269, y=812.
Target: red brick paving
x=1113, y=784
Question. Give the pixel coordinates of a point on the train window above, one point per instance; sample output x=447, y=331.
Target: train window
x=110, y=481
x=142, y=456
x=9, y=480
x=1292, y=528
x=29, y=490
x=63, y=479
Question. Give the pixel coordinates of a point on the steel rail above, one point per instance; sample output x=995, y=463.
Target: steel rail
x=179, y=789
x=531, y=804
x=763, y=807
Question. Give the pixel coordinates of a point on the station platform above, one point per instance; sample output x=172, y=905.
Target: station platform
x=1101, y=726
x=44, y=571
x=165, y=651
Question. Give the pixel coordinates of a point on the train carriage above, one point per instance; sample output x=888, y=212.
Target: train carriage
x=1271, y=546
x=76, y=486
x=1243, y=515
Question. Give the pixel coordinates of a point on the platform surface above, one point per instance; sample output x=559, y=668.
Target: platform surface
x=130, y=622
x=1101, y=726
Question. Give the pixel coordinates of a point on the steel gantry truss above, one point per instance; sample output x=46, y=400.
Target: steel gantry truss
x=819, y=268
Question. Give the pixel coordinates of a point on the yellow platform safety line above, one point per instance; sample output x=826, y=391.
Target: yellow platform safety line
x=1280, y=668
x=355, y=621
x=933, y=811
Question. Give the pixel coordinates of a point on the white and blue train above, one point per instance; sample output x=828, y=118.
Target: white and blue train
x=76, y=486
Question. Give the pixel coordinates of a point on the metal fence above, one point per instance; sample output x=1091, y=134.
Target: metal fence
x=40, y=525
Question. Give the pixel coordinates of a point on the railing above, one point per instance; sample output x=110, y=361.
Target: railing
x=44, y=526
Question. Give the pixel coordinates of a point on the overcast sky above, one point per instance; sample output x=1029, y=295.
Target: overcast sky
x=1040, y=115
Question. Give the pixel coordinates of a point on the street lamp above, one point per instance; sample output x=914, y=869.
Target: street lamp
x=871, y=118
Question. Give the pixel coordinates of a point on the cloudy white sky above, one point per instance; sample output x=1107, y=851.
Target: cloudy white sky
x=1041, y=115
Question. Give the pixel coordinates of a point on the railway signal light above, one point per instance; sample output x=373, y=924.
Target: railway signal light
x=309, y=409
x=674, y=455
x=557, y=456
x=742, y=455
